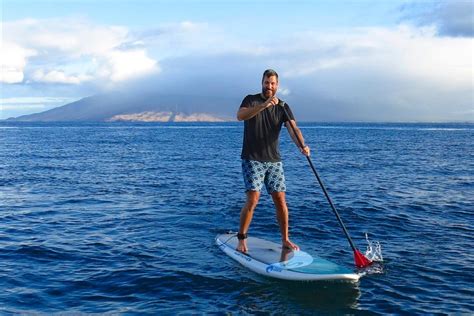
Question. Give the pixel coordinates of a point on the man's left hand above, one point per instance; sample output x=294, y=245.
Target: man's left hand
x=305, y=151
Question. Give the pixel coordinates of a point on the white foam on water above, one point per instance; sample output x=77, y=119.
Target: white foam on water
x=374, y=254
x=374, y=250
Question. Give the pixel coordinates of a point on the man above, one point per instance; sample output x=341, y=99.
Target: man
x=263, y=116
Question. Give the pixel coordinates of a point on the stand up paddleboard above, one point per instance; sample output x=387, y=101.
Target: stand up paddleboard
x=268, y=258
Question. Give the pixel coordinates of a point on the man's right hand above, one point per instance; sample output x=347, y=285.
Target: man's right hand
x=271, y=101
x=246, y=113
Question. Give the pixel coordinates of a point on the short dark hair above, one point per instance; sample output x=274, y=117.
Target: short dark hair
x=268, y=73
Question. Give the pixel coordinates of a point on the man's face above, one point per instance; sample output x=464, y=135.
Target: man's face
x=269, y=86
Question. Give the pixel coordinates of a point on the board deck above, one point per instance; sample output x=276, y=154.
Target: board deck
x=269, y=259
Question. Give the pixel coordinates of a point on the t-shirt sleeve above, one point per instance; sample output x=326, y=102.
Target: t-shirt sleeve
x=290, y=114
x=245, y=102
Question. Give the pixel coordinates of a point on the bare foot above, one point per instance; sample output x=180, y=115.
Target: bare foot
x=285, y=252
x=242, y=246
x=289, y=245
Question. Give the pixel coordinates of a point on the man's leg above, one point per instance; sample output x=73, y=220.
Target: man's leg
x=246, y=215
x=282, y=217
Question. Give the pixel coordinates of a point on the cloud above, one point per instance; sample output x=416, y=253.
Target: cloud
x=403, y=52
x=73, y=36
x=57, y=76
x=186, y=38
x=125, y=65
x=284, y=91
x=13, y=61
x=70, y=51
x=451, y=18
x=402, y=73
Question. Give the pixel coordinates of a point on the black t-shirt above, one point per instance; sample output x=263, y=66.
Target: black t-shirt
x=262, y=132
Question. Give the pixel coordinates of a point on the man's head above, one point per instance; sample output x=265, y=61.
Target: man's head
x=269, y=83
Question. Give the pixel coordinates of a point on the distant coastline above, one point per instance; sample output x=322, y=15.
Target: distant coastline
x=150, y=116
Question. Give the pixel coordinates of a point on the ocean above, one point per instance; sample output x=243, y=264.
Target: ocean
x=121, y=218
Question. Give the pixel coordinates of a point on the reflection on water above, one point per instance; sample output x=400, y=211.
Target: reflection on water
x=283, y=297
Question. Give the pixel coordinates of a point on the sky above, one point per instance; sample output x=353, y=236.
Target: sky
x=371, y=61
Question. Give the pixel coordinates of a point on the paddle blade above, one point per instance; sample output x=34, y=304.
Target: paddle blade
x=360, y=260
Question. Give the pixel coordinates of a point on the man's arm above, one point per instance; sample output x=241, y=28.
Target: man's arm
x=298, y=137
x=246, y=113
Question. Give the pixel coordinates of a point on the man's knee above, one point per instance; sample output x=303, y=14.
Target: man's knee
x=279, y=198
x=252, y=199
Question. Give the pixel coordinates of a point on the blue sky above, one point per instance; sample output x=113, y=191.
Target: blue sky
x=338, y=60
x=146, y=13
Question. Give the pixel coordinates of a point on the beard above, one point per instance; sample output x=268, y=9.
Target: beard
x=268, y=93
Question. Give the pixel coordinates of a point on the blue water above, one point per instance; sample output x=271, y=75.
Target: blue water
x=121, y=218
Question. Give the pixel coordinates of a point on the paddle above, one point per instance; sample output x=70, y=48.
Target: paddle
x=360, y=260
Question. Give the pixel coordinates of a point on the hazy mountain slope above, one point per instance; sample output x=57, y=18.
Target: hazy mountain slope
x=105, y=106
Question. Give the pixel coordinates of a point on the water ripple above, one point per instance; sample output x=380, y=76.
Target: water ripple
x=111, y=218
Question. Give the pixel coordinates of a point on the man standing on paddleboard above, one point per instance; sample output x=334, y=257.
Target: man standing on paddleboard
x=263, y=117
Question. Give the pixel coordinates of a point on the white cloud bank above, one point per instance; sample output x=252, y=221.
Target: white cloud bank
x=403, y=73
x=70, y=52
x=13, y=60
x=404, y=52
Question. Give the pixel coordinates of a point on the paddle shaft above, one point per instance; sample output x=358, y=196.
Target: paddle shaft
x=320, y=182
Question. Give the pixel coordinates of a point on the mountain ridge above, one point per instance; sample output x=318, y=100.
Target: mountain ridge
x=125, y=106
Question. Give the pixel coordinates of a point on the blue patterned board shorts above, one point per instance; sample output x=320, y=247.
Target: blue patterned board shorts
x=257, y=173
